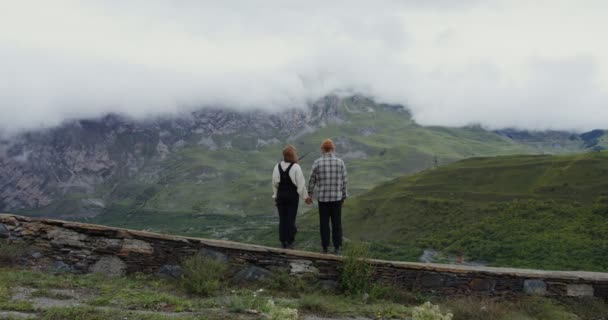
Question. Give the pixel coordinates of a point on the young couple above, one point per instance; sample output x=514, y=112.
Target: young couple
x=327, y=184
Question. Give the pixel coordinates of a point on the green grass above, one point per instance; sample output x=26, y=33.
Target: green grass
x=147, y=297
x=544, y=212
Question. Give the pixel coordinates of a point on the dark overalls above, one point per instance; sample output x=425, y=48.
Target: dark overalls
x=287, y=203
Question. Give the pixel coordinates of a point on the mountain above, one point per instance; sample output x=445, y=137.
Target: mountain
x=565, y=141
x=205, y=172
x=537, y=211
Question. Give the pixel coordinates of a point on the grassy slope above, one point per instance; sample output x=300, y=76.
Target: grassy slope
x=523, y=211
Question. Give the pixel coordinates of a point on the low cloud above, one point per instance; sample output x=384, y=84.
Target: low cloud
x=498, y=63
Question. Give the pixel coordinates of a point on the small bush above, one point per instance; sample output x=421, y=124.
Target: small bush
x=203, y=275
x=356, y=271
x=429, y=311
x=10, y=252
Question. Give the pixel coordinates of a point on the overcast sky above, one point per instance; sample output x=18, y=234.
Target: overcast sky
x=513, y=63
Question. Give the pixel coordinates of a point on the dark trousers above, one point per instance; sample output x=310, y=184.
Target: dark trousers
x=288, y=209
x=331, y=211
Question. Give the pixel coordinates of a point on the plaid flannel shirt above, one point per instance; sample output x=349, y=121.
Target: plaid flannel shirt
x=328, y=179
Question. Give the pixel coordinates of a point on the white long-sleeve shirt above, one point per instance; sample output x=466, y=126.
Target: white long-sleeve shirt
x=296, y=175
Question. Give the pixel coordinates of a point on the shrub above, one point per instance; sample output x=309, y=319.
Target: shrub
x=356, y=271
x=10, y=252
x=203, y=275
x=429, y=311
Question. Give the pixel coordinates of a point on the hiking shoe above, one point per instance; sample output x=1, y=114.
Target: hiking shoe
x=324, y=251
x=338, y=251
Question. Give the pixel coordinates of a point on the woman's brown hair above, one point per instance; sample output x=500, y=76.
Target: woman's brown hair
x=289, y=154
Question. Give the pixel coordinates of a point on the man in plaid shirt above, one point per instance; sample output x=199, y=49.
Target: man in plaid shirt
x=327, y=184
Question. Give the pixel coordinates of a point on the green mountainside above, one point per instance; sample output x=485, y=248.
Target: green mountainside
x=542, y=211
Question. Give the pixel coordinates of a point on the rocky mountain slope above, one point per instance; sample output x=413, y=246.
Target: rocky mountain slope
x=38, y=168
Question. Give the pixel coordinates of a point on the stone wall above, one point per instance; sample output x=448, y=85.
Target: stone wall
x=83, y=248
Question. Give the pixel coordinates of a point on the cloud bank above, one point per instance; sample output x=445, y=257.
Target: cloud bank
x=525, y=64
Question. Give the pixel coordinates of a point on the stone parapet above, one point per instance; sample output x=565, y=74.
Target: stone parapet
x=83, y=248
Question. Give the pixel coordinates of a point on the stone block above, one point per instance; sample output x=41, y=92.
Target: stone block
x=64, y=237
x=108, y=245
x=172, y=271
x=61, y=267
x=431, y=280
x=579, y=290
x=215, y=255
x=109, y=265
x=4, y=233
x=135, y=246
x=252, y=273
x=482, y=284
x=10, y=222
x=301, y=267
x=534, y=286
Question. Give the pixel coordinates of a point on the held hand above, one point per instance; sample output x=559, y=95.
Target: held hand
x=308, y=200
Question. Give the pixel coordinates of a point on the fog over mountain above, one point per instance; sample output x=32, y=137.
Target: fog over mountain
x=526, y=64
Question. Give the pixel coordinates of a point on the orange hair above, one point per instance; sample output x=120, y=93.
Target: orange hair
x=289, y=154
x=328, y=146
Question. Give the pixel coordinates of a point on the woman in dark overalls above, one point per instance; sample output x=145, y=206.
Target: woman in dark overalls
x=289, y=186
